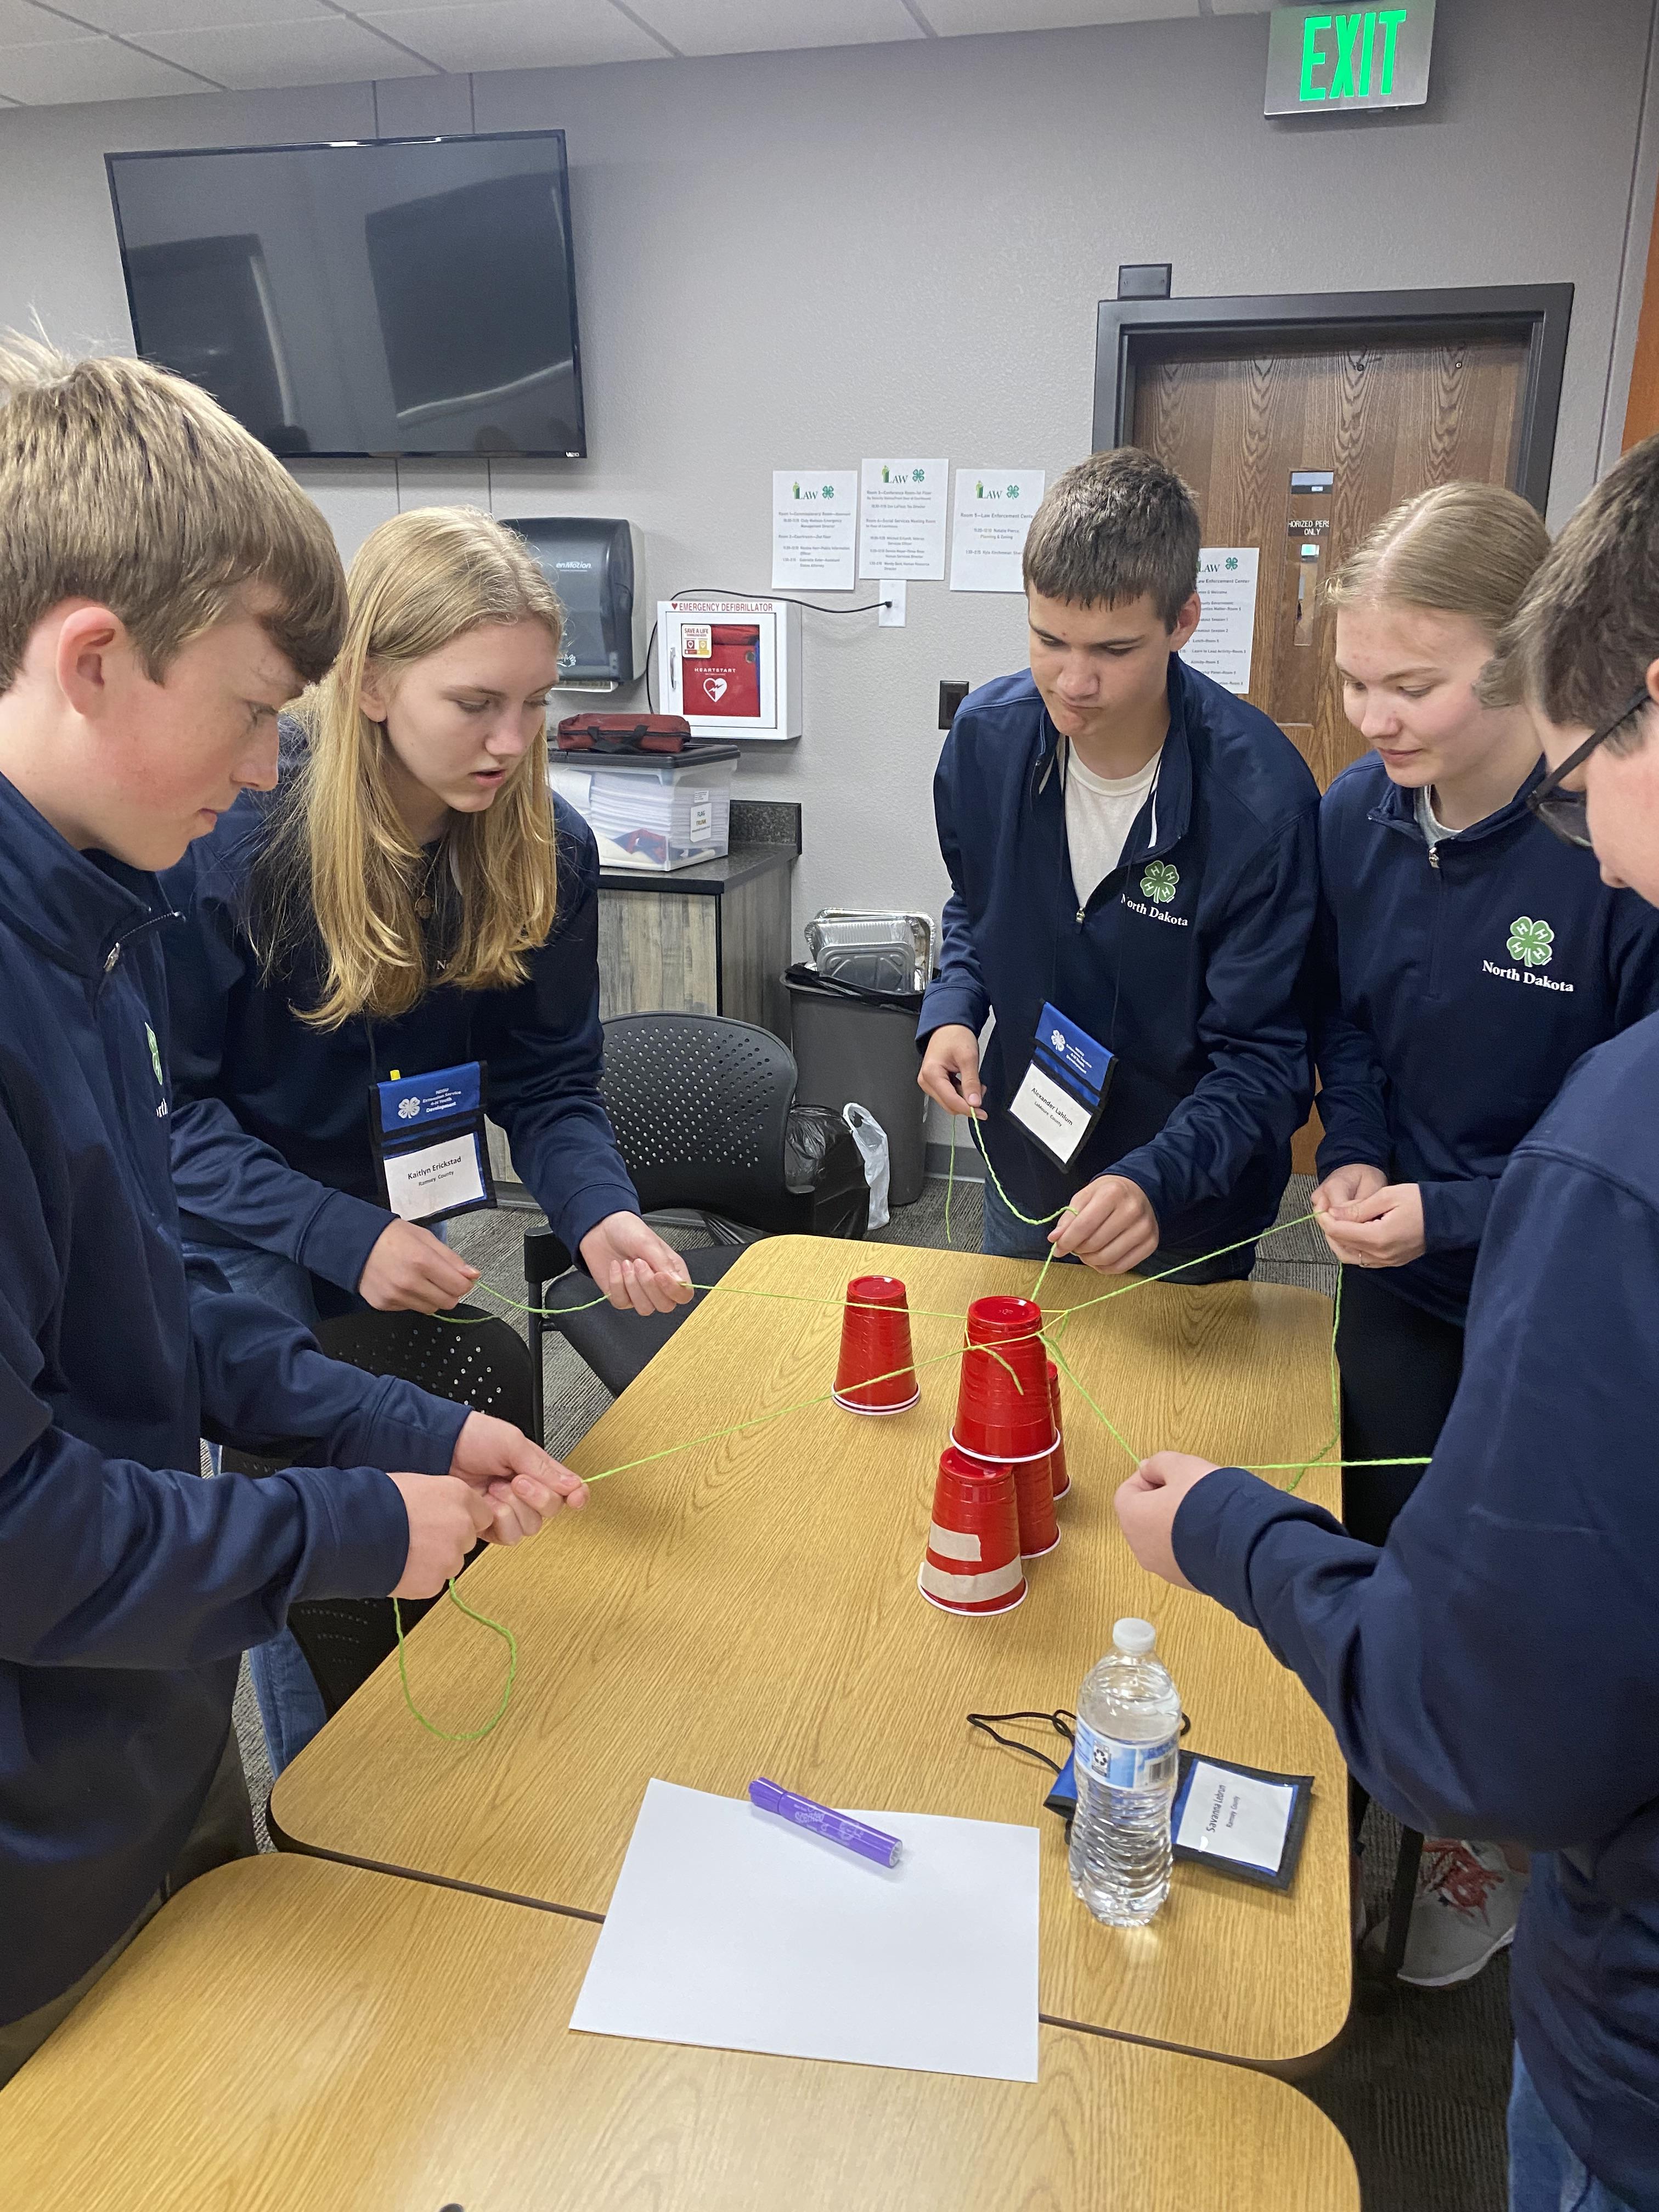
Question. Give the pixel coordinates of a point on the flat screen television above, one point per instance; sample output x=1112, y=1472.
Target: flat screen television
x=389, y=296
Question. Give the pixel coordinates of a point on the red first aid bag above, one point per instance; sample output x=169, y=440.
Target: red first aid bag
x=623, y=733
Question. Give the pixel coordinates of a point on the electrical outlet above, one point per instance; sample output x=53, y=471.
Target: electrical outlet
x=951, y=693
x=891, y=616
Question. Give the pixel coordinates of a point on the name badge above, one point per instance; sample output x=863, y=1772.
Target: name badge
x=428, y=1136
x=1064, y=1088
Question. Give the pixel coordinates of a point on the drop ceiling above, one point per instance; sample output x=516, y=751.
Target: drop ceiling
x=137, y=49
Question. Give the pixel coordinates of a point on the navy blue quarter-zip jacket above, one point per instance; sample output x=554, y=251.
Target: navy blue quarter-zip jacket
x=1184, y=961
x=128, y=1583
x=1452, y=991
x=1495, y=1670
x=270, y=1140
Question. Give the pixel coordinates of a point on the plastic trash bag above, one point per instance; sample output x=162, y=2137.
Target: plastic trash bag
x=871, y=1140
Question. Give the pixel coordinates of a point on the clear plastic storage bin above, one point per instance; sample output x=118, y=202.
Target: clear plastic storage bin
x=652, y=812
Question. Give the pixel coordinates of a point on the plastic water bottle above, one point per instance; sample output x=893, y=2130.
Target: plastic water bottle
x=1128, y=1728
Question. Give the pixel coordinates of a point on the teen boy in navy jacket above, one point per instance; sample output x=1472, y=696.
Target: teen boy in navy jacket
x=1133, y=846
x=1494, y=1669
x=164, y=588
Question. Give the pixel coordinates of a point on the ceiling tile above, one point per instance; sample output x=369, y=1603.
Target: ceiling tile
x=1243, y=7
x=517, y=33
x=141, y=19
x=738, y=26
x=23, y=25
x=955, y=19
x=87, y=68
x=316, y=50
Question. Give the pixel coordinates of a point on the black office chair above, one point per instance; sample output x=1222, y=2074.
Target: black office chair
x=481, y=1363
x=703, y=1108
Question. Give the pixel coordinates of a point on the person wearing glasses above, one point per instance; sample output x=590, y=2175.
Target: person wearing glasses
x=1493, y=1669
x=1464, y=960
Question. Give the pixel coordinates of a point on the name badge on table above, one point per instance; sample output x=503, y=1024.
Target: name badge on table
x=1064, y=1088
x=429, y=1142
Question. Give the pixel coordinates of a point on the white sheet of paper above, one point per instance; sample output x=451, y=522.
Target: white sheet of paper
x=434, y=1177
x=901, y=507
x=815, y=520
x=1050, y=1112
x=1234, y=1816
x=1220, y=647
x=731, y=1928
x=992, y=513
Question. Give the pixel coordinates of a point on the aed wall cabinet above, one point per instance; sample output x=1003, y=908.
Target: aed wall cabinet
x=731, y=667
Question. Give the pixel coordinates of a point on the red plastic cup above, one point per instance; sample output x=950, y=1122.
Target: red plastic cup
x=972, y=1563
x=1003, y=1410
x=1034, y=1507
x=876, y=1373
x=1057, y=1457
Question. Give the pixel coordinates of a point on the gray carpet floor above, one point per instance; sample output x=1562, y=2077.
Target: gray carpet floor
x=1417, y=2085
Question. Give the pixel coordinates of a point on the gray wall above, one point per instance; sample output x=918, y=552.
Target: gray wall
x=800, y=258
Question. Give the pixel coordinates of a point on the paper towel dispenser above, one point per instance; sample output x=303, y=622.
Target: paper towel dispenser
x=594, y=565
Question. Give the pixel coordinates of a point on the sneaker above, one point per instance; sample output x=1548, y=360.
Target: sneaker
x=1468, y=1900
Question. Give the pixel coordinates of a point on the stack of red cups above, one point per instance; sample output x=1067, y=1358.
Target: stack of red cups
x=1006, y=1412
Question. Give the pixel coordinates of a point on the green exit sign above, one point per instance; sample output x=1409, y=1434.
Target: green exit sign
x=1325, y=61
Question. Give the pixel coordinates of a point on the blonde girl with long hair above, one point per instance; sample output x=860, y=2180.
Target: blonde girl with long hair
x=409, y=900
x=1465, y=959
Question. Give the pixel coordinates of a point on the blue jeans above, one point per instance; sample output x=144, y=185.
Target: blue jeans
x=1545, y=2174
x=290, y=1704
x=1006, y=1237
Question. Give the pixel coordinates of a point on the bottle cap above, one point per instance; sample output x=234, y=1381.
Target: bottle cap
x=1133, y=1638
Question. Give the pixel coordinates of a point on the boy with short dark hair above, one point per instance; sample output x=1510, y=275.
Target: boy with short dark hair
x=165, y=588
x=1133, y=880
x=1493, y=1671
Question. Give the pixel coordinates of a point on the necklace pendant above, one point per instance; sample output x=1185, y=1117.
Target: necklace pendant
x=423, y=908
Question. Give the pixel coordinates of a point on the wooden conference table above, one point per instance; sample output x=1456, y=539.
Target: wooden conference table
x=749, y=1606
x=292, y=2037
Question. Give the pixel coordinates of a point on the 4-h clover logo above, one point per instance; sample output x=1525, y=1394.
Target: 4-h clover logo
x=918, y=476
x=407, y=1108
x=829, y=491
x=1158, y=884
x=1057, y=1038
x=1231, y=561
x=1531, y=942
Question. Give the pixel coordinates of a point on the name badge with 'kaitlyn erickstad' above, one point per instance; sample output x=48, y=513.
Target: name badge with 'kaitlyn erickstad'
x=428, y=1136
x=1064, y=1088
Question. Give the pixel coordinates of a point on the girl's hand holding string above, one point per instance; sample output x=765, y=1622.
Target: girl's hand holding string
x=409, y=1270
x=634, y=1268
x=1369, y=1222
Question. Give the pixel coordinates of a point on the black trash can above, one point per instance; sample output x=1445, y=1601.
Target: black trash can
x=852, y=1044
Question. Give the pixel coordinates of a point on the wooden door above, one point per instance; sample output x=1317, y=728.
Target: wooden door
x=1299, y=451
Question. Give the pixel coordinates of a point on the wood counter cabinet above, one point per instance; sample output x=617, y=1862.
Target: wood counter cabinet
x=713, y=939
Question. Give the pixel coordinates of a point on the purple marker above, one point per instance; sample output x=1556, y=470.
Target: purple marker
x=838, y=1827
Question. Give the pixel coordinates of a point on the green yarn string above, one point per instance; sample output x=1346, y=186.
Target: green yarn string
x=460, y=1735
x=1048, y=1335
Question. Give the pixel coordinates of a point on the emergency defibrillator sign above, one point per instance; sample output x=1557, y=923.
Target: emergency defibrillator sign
x=1326, y=61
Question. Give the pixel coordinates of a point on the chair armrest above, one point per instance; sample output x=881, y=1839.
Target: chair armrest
x=545, y=1255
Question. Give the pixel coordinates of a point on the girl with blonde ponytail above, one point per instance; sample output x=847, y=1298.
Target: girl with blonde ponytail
x=1464, y=960
x=409, y=899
